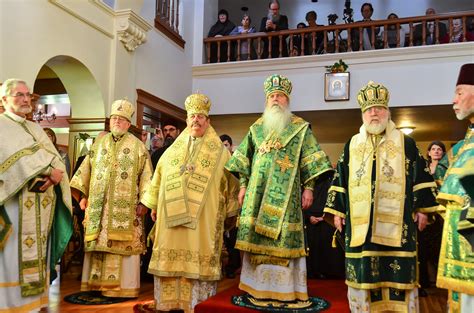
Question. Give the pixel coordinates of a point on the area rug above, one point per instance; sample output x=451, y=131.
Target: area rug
x=144, y=307
x=332, y=291
x=313, y=305
x=92, y=298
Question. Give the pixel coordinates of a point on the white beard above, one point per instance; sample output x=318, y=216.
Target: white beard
x=275, y=119
x=461, y=115
x=376, y=128
x=117, y=132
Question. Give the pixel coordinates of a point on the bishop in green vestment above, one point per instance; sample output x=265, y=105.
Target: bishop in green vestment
x=381, y=190
x=456, y=263
x=276, y=160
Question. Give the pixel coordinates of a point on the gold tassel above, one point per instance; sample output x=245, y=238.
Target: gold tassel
x=334, y=240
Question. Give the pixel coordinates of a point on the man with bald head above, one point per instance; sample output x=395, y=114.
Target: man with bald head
x=456, y=262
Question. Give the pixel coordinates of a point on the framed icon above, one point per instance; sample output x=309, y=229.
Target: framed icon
x=336, y=86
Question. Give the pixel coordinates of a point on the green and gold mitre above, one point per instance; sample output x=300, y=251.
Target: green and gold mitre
x=276, y=83
x=373, y=95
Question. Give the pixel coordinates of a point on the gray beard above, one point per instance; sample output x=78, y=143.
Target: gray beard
x=275, y=119
x=376, y=129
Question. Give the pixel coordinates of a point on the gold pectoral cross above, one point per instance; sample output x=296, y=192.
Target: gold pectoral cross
x=285, y=163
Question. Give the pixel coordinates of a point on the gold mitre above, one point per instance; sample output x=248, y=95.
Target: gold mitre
x=197, y=103
x=373, y=95
x=276, y=83
x=123, y=108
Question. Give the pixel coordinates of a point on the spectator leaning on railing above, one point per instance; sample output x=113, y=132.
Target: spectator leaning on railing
x=245, y=28
x=392, y=33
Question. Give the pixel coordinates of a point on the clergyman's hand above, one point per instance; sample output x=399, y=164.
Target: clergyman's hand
x=241, y=195
x=307, y=198
x=47, y=183
x=339, y=222
x=56, y=176
x=153, y=215
x=83, y=204
x=141, y=209
x=422, y=220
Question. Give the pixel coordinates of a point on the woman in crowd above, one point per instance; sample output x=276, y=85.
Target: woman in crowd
x=457, y=33
x=430, y=238
x=438, y=165
x=392, y=33
x=222, y=27
x=246, y=49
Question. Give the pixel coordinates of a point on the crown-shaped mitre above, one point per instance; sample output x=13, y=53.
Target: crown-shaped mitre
x=197, y=103
x=372, y=95
x=123, y=108
x=276, y=83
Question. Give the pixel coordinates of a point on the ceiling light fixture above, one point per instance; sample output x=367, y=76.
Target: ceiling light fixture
x=407, y=130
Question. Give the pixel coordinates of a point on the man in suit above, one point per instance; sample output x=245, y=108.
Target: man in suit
x=431, y=27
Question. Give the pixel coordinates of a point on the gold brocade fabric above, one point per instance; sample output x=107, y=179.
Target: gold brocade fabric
x=114, y=177
x=389, y=195
x=182, y=251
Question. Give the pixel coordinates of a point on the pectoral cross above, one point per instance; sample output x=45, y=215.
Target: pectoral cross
x=285, y=163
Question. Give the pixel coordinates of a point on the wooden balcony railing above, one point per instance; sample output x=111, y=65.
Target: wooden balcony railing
x=167, y=20
x=338, y=38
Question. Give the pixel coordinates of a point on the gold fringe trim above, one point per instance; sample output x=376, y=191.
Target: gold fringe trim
x=455, y=284
x=403, y=254
x=273, y=295
x=273, y=251
x=267, y=231
x=387, y=284
x=122, y=293
x=264, y=259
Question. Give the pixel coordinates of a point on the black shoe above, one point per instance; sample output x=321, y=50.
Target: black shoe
x=422, y=292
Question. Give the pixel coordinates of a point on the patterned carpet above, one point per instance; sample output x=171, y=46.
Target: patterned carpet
x=92, y=298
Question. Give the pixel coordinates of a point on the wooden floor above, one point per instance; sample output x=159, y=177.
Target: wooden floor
x=434, y=303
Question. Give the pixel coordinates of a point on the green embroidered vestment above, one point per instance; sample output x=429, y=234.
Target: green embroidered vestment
x=274, y=170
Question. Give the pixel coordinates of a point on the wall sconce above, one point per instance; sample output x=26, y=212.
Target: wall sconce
x=407, y=130
x=41, y=114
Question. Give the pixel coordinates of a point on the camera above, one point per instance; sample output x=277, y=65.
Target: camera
x=348, y=12
x=332, y=19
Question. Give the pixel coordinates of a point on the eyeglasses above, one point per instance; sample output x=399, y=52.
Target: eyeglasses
x=22, y=95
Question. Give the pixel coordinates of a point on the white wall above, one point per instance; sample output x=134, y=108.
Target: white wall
x=414, y=76
x=40, y=34
x=296, y=9
x=164, y=68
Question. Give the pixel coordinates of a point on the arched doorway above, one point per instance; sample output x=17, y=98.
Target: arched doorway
x=68, y=88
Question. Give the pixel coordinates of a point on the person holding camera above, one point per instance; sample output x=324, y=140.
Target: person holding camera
x=274, y=21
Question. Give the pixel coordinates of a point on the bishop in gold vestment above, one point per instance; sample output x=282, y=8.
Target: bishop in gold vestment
x=191, y=195
x=111, y=181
